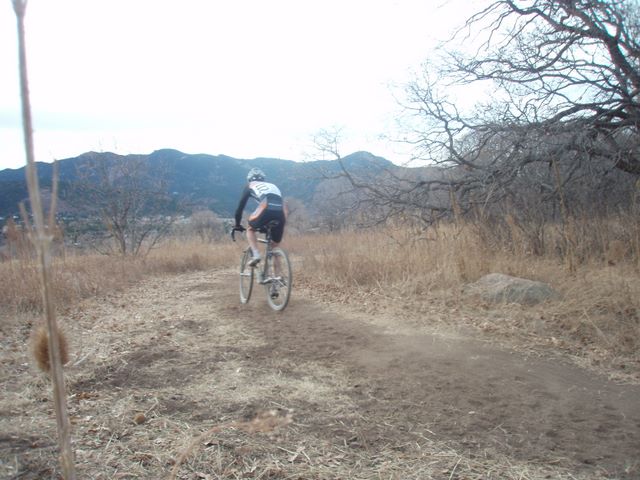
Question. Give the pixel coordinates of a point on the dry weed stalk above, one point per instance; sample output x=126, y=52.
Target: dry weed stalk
x=42, y=241
x=264, y=422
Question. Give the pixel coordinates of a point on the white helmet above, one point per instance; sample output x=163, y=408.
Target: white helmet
x=255, y=174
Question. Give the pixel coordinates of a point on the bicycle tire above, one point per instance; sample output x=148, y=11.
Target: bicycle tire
x=280, y=283
x=246, y=277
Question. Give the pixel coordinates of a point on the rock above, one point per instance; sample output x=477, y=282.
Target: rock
x=497, y=287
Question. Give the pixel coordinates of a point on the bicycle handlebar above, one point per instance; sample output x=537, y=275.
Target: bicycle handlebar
x=234, y=230
x=233, y=233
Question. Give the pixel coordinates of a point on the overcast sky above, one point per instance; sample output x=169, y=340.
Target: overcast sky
x=244, y=78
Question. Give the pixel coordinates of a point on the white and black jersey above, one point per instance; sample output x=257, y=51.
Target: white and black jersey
x=266, y=194
x=270, y=207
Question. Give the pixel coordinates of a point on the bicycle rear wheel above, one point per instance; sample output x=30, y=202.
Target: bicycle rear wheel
x=278, y=279
x=246, y=277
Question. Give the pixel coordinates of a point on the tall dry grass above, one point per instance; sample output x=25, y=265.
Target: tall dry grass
x=450, y=255
x=423, y=272
x=597, y=275
x=405, y=261
x=80, y=275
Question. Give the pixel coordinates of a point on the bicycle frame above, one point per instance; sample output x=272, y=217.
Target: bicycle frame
x=278, y=287
x=264, y=278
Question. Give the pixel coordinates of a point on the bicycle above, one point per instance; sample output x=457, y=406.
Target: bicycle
x=273, y=271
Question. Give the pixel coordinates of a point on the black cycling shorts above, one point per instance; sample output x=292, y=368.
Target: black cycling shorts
x=262, y=216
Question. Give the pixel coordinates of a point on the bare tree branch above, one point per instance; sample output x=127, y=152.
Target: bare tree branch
x=565, y=81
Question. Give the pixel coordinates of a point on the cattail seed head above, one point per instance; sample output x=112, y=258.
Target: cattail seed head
x=40, y=348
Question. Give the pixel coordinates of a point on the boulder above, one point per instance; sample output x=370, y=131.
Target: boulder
x=497, y=287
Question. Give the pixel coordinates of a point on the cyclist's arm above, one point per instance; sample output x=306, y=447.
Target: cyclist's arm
x=246, y=193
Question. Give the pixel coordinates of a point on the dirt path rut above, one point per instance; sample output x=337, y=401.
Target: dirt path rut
x=477, y=397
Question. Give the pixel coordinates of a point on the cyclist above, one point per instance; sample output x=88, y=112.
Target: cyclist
x=270, y=207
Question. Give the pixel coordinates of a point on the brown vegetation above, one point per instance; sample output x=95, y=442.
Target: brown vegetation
x=597, y=274
x=40, y=348
x=78, y=276
x=187, y=389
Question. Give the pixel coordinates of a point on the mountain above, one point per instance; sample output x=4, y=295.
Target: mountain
x=198, y=180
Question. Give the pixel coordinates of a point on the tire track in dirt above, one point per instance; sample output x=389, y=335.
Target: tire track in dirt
x=475, y=396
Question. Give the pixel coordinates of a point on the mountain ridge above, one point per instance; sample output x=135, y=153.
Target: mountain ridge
x=202, y=180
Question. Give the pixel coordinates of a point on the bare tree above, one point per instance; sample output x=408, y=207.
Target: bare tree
x=562, y=118
x=331, y=205
x=131, y=201
x=206, y=225
x=567, y=84
x=298, y=218
x=373, y=196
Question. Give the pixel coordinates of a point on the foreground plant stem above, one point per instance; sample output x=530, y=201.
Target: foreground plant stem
x=42, y=242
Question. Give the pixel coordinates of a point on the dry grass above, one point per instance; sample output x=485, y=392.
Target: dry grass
x=79, y=276
x=198, y=431
x=420, y=274
x=264, y=422
x=598, y=316
x=220, y=423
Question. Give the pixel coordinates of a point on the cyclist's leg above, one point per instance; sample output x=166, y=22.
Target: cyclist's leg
x=278, y=230
x=253, y=243
x=256, y=221
x=253, y=240
x=276, y=238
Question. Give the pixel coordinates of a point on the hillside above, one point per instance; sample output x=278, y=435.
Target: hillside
x=198, y=180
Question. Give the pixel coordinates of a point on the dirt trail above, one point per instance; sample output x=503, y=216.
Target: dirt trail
x=472, y=394
x=370, y=396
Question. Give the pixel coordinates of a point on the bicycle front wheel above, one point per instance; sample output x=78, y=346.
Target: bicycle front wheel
x=278, y=279
x=246, y=277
